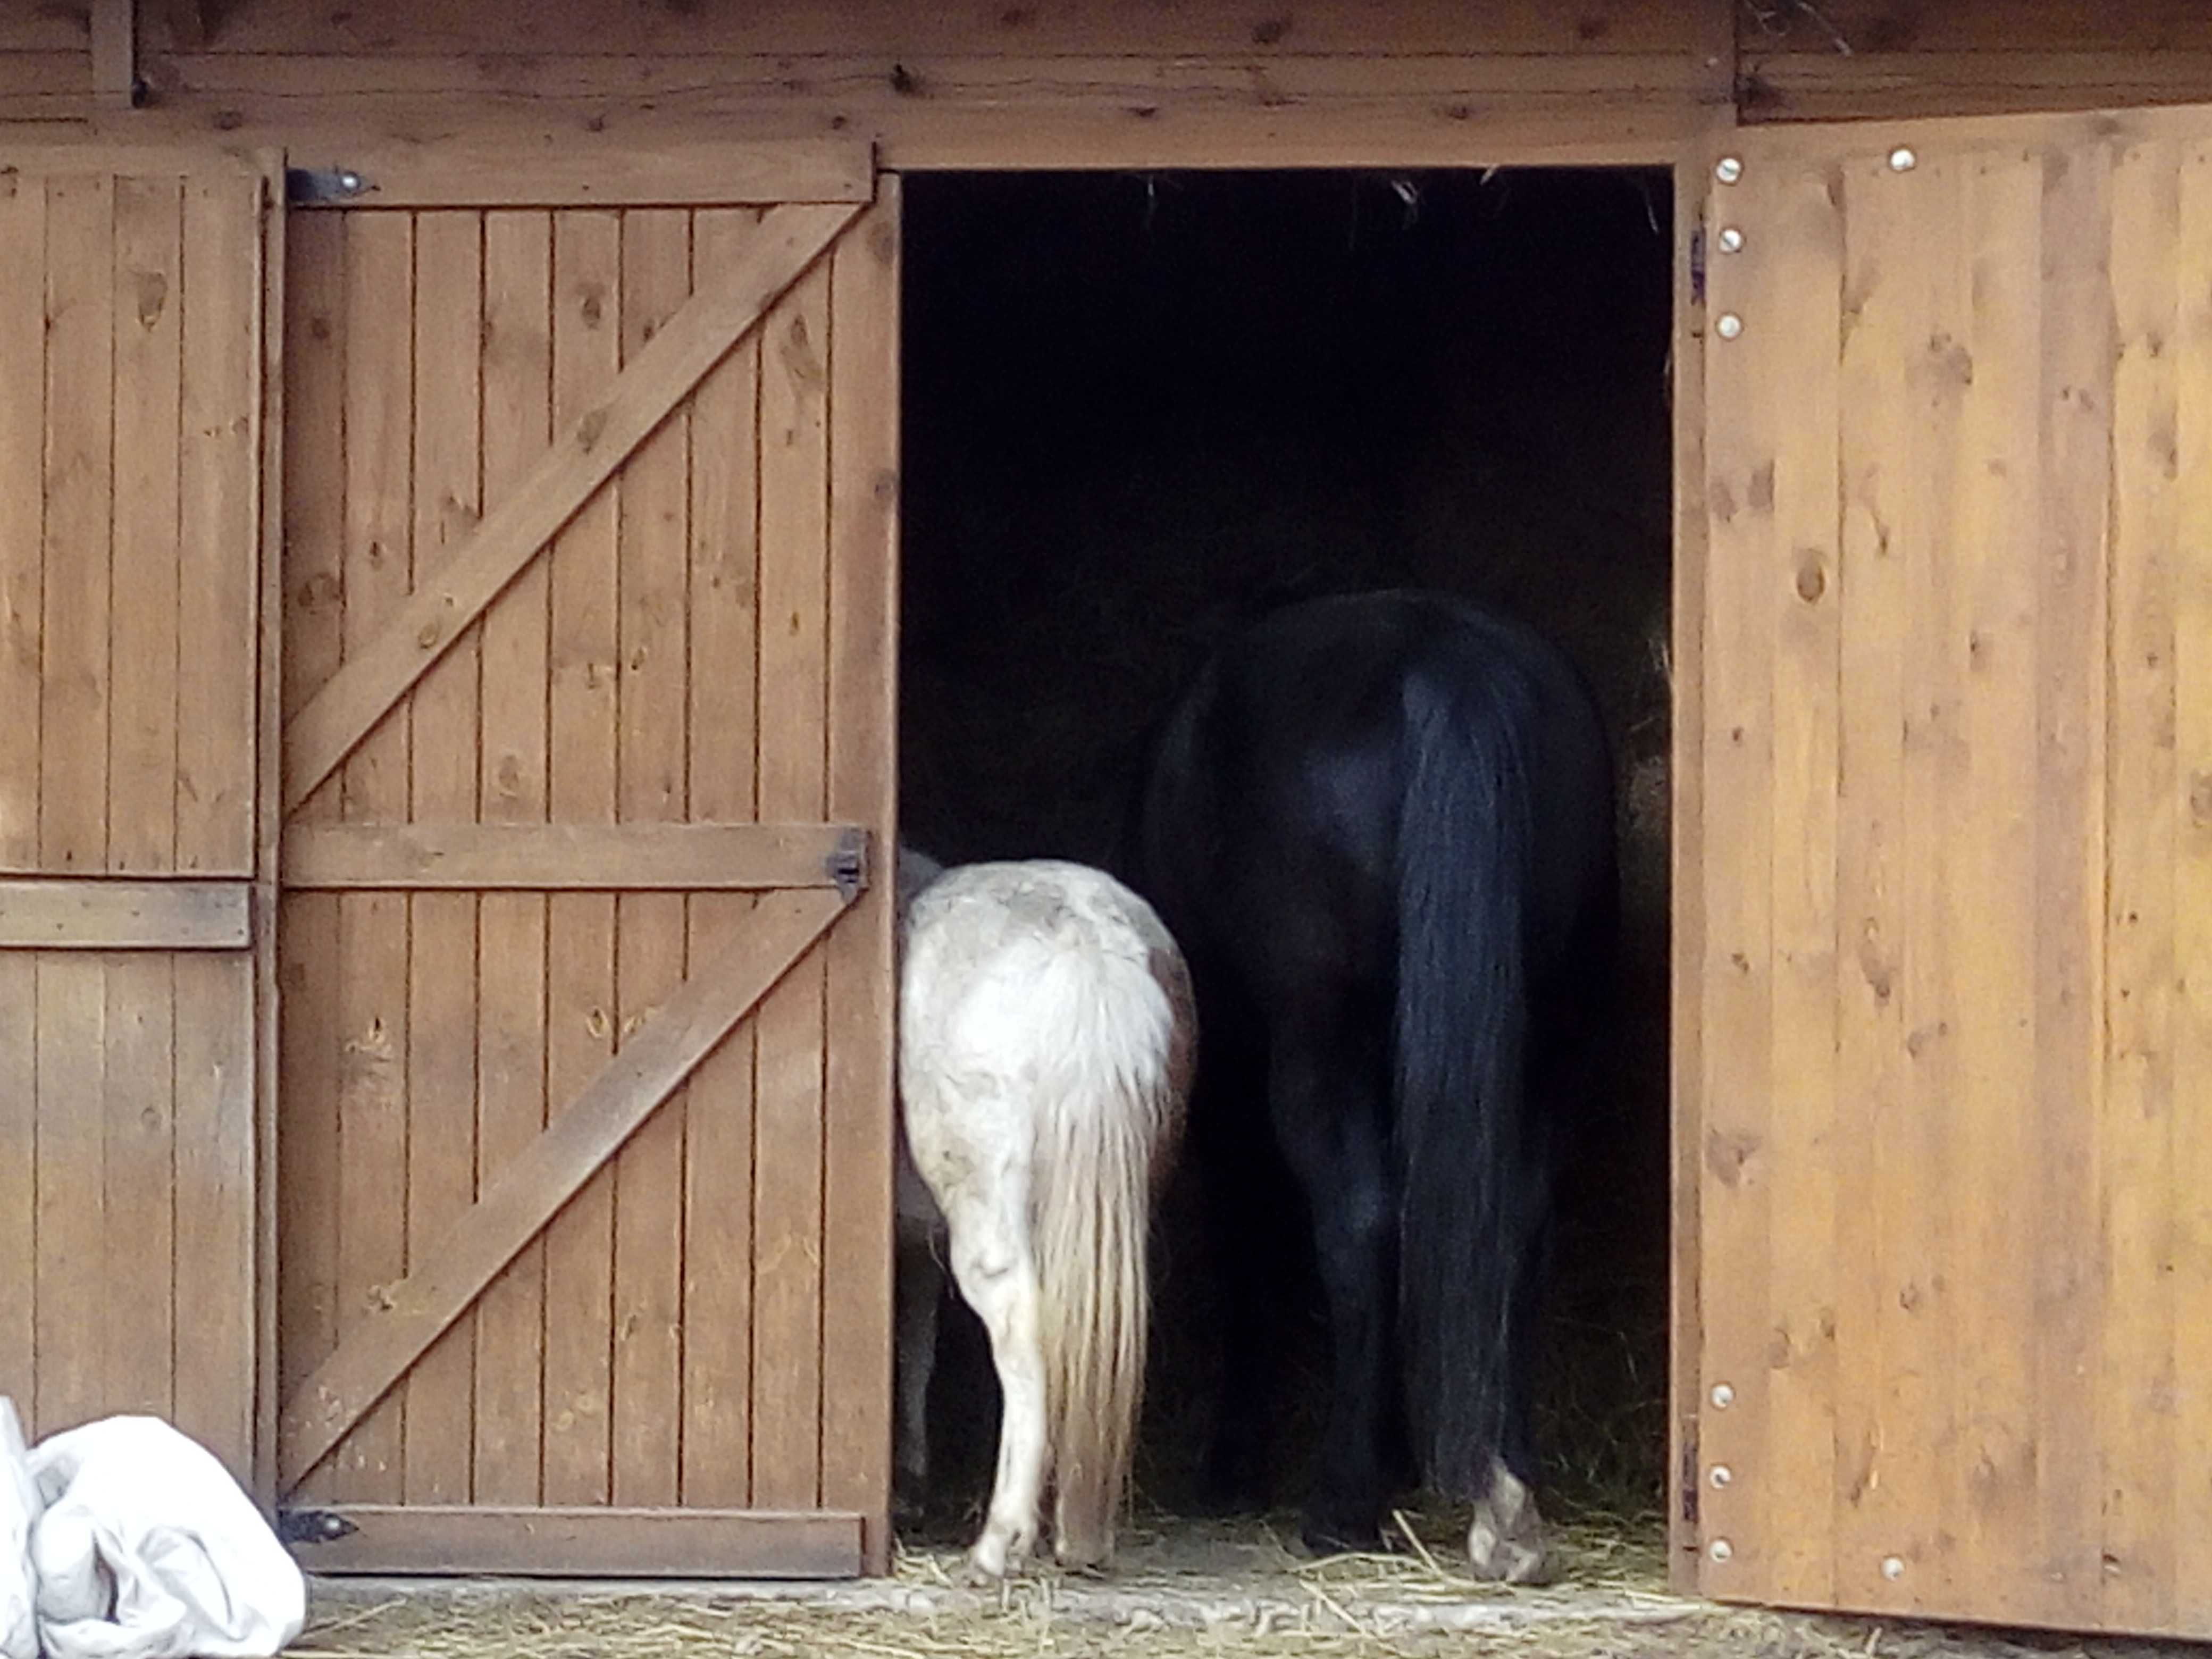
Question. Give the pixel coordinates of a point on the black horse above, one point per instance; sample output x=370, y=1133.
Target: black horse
x=1382, y=827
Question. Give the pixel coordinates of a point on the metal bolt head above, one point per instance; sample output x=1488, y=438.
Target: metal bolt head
x=1893, y=1567
x=1728, y=326
x=1731, y=240
x=1902, y=159
x=1721, y=1475
x=1727, y=169
x=1723, y=1396
x=349, y=182
x=1720, y=1549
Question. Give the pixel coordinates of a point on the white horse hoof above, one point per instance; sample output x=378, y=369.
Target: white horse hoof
x=995, y=1557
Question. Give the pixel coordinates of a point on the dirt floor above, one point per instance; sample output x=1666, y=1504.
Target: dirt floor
x=1178, y=1589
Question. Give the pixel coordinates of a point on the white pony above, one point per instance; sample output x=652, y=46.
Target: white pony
x=1046, y=1034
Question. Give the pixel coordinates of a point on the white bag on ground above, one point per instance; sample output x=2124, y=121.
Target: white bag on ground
x=147, y=1549
x=19, y=1511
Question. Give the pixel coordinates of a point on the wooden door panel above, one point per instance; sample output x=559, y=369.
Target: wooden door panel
x=132, y=288
x=1952, y=1258
x=602, y=672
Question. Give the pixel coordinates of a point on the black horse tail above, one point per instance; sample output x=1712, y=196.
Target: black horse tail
x=1464, y=856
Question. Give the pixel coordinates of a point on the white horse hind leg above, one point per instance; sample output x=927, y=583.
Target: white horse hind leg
x=997, y=1273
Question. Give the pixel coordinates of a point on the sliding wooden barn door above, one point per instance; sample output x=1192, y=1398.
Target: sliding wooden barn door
x=131, y=551
x=588, y=691
x=1956, y=1189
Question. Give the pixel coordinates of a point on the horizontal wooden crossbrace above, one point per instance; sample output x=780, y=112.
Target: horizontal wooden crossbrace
x=581, y=857
x=67, y=913
x=579, y=1543
x=454, y=1268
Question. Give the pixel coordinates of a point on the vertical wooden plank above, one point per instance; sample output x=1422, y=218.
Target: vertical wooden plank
x=269, y=830
x=19, y=1100
x=22, y=509
x=1875, y=612
x=856, y=1250
x=655, y=661
x=2135, y=1393
x=441, y=979
x=215, y=1169
x=788, y=1131
x=219, y=531
x=2070, y=868
x=717, y=1153
x=80, y=499
x=2191, y=1169
x=136, y=1304
x=581, y=783
x=1686, y=967
x=139, y=1307
x=1915, y=1173
x=373, y=926
x=71, y=1212
x=308, y=1147
x=1991, y=916
x=147, y=295
x=1798, y=344
x=1736, y=1003
x=516, y=371
x=22, y=512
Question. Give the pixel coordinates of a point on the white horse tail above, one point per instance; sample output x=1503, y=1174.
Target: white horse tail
x=1101, y=1147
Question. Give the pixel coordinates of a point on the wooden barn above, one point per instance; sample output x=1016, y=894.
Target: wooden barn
x=450, y=479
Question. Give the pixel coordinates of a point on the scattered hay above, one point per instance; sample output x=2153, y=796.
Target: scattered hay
x=1183, y=1590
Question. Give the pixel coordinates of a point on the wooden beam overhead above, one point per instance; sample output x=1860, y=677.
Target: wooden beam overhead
x=115, y=53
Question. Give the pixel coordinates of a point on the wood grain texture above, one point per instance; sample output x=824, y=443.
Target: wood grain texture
x=442, y=934
x=591, y=1542
x=79, y=450
x=655, y=664
x=790, y=1114
x=412, y=1311
x=22, y=514
x=724, y=692
x=686, y=857
x=597, y=437
x=580, y=991
x=858, y=960
x=219, y=526
x=57, y=915
x=307, y=1141
x=511, y=1101
x=378, y=456
x=462, y=173
x=2009, y=1217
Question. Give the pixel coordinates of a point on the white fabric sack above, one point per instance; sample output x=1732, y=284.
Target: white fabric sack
x=19, y=1511
x=147, y=1549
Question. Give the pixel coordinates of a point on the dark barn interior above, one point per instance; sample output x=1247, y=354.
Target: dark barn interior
x=1141, y=409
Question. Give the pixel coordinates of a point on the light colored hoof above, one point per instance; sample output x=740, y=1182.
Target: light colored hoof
x=1505, y=1541
x=995, y=1556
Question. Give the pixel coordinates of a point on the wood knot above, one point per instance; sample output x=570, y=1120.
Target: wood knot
x=1810, y=581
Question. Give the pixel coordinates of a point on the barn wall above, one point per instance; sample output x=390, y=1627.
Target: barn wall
x=1031, y=82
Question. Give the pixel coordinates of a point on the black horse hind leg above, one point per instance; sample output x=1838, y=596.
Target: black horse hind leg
x=1327, y=1095
x=1240, y=1188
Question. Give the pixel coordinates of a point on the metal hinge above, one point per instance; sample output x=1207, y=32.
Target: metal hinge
x=312, y=1526
x=847, y=865
x=308, y=186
